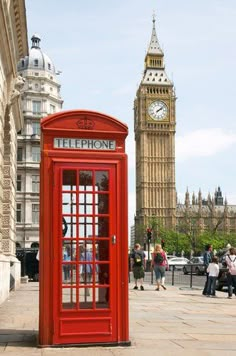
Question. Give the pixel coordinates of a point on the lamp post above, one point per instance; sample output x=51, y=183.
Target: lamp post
x=177, y=239
x=149, y=237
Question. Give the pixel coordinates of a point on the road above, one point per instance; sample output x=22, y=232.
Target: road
x=176, y=278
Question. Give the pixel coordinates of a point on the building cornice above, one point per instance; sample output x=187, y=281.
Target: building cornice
x=15, y=32
x=21, y=23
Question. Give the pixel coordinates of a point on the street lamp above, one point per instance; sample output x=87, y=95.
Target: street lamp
x=149, y=237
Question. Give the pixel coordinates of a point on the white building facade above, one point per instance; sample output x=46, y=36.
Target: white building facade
x=40, y=97
x=13, y=46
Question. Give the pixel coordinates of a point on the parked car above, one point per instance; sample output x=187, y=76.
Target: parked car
x=221, y=282
x=196, y=265
x=170, y=256
x=177, y=263
x=29, y=262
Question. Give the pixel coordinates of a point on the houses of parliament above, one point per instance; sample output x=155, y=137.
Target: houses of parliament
x=155, y=128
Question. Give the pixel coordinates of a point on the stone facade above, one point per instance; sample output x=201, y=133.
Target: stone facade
x=13, y=45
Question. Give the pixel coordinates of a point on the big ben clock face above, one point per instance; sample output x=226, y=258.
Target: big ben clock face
x=157, y=110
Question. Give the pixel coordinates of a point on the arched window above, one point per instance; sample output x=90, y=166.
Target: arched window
x=35, y=245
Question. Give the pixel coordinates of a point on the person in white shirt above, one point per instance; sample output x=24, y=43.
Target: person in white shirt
x=213, y=270
x=230, y=260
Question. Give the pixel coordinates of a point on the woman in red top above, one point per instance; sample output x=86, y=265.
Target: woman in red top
x=160, y=264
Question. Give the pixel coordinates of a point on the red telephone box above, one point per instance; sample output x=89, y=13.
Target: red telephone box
x=83, y=230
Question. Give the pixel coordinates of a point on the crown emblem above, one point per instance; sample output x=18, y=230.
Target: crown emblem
x=85, y=124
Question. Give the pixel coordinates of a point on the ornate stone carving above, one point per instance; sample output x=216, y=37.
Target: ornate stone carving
x=5, y=222
x=18, y=85
x=5, y=245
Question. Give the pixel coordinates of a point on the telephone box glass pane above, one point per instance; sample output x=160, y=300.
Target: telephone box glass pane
x=104, y=275
x=69, y=250
x=85, y=298
x=102, y=298
x=85, y=180
x=68, y=203
x=85, y=204
x=67, y=274
x=102, y=203
x=71, y=226
x=85, y=227
x=102, y=292
x=102, y=253
x=87, y=268
x=102, y=180
x=102, y=227
x=69, y=180
x=68, y=298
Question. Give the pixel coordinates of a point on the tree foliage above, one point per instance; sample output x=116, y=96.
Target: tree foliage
x=187, y=238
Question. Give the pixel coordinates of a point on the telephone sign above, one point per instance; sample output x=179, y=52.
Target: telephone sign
x=84, y=144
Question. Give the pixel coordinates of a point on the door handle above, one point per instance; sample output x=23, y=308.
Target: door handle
x=113, y=239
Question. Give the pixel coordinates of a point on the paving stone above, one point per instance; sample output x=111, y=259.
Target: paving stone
x=173, y=322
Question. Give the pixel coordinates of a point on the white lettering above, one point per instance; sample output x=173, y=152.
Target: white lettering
x=85, y=144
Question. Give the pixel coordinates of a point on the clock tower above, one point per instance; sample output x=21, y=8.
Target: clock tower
x=154, y=127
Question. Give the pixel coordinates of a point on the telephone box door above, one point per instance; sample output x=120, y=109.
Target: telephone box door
x=85, y=253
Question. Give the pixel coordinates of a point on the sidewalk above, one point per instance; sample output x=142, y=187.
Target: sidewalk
x=172, y=322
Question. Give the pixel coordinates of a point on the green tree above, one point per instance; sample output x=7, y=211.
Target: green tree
x=189, y=227
x=140, y=231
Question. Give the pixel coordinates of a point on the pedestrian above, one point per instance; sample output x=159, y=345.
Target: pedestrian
x=86, y=269
x=207, y=258
x=138, y=266
x=159, y=264
x=213, y=273
x=230, y=261
x=66, y=266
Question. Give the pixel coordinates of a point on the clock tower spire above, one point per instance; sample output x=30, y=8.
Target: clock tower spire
x=154, y=46
x=154, y=127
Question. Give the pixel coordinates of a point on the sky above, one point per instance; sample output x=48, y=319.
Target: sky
x=100, y=46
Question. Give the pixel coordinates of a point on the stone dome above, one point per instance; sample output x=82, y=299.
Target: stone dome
x=36, y=59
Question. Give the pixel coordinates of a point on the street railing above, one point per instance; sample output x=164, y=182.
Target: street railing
x=176, y=276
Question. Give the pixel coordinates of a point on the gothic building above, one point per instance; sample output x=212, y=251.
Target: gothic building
x=13, y=46
x=40, y=97
x=154, y=127
x=212, y=213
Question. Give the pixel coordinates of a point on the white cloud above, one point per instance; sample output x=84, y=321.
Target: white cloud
x=203, y=143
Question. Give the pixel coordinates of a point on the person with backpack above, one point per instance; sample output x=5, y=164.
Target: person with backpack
x=138, y=265
x=230, y=261
x=159, y=264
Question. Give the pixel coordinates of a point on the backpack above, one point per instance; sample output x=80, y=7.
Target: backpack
x=138, y=260
x=232, y=266
x=159, y=258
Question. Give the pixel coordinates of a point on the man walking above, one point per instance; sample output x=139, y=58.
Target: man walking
x=207, y=258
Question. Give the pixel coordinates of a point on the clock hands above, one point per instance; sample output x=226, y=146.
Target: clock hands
x=159, y=110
